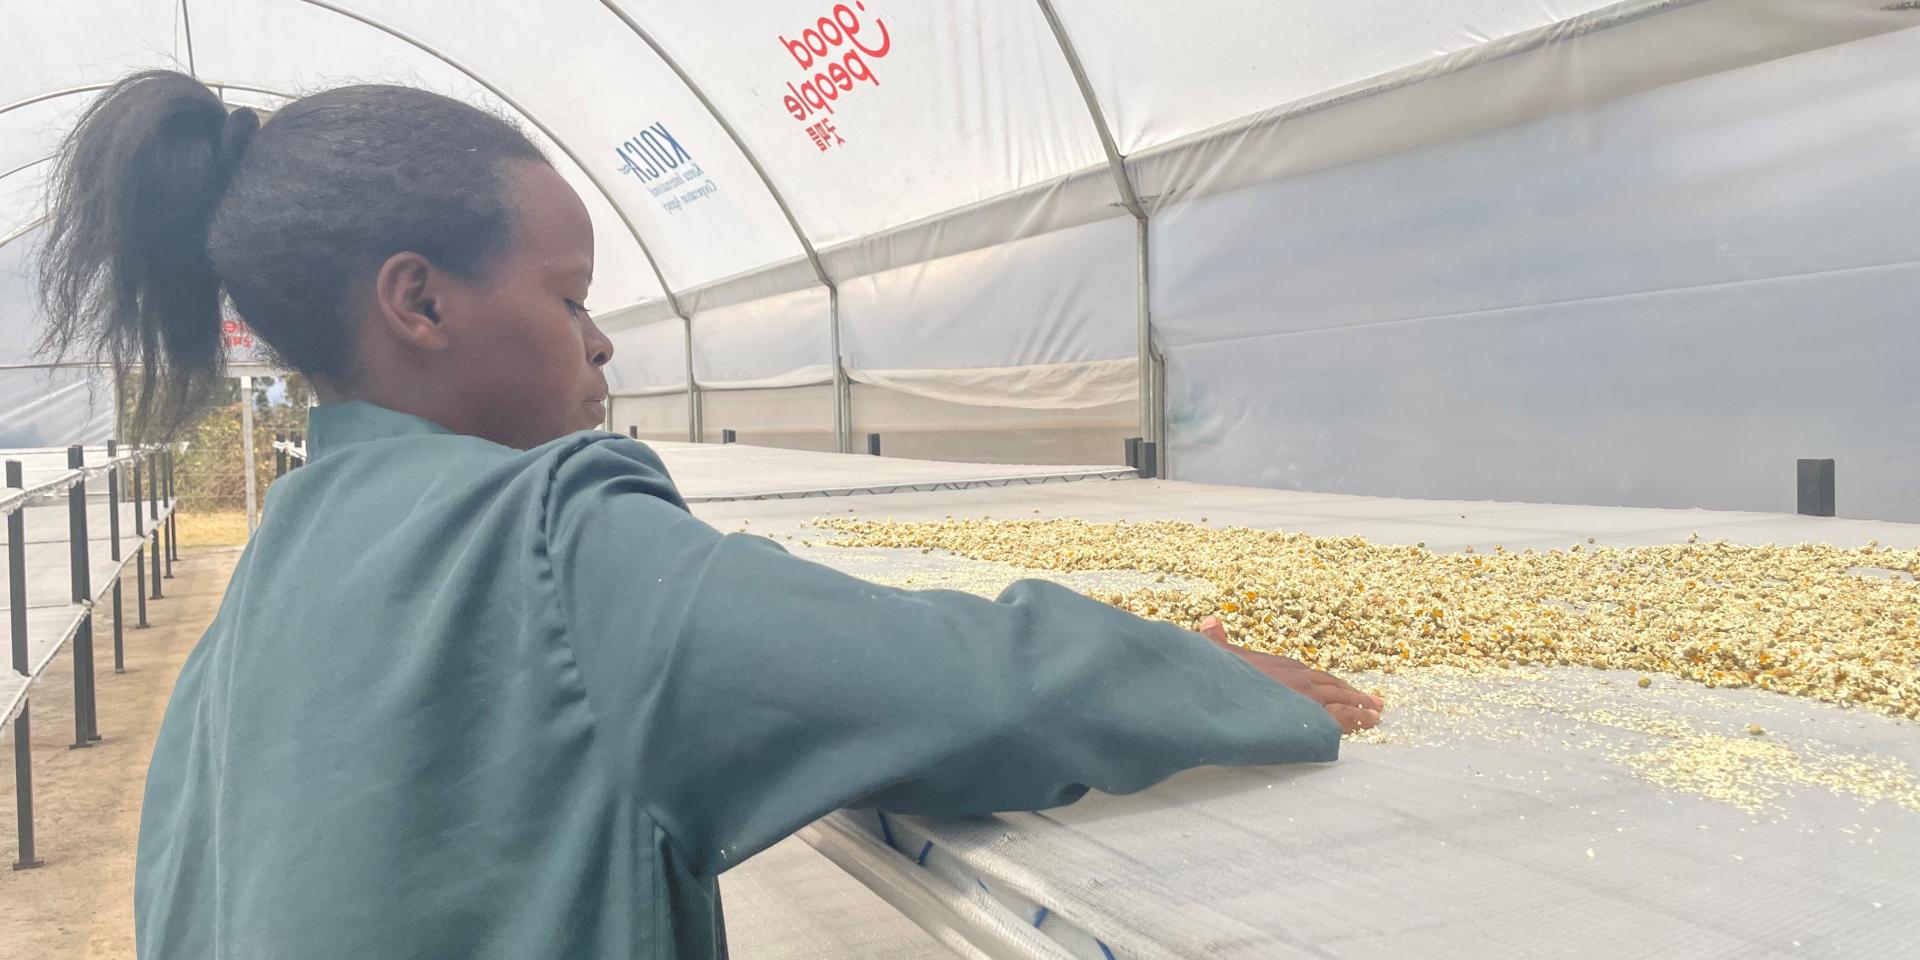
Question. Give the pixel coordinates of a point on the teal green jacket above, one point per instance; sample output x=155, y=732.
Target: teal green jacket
x=467, y=701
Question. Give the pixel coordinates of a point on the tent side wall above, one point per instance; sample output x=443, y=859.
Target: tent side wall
x=1662, y=301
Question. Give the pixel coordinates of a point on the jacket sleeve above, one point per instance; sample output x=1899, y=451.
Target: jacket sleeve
x=752, y=691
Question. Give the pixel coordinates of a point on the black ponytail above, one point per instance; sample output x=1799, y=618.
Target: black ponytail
x=164, y=207
x=125, y=274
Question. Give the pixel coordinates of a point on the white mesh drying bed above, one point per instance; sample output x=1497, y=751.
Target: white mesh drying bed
x=712, y=473
x=1555, y=817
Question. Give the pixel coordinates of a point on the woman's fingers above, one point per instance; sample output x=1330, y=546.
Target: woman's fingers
x=1363, y=709
x=1328, y=695
x=1353, y=718
x=1212, y=629
x=1366, y=699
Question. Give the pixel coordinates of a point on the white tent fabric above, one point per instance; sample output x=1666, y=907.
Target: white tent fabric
x=40, y=406
x=1701, y=282
x=1376, y=231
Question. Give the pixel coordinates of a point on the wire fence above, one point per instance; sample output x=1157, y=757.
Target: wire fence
x=213, y=466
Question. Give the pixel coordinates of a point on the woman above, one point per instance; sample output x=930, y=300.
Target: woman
x=480, y=685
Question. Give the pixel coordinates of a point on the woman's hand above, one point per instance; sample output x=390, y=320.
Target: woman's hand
x=1353, y=709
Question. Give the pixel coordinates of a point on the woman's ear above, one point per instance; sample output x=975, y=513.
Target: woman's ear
x=404, y=292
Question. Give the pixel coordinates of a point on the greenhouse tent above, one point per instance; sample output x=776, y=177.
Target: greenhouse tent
x=1643, y=253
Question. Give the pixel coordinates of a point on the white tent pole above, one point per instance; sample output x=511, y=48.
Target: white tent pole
x=1143, y=321
x=842, y=417
x=842, y=393
x=94, y=87
x=1151, y=414
x=246, y=446
x=25, y=229
x=693, y=390
x=186, y=25
x=30, y=163
x=53, y=95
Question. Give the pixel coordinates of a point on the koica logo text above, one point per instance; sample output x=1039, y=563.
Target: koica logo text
x=652, y=154
x=838, y=51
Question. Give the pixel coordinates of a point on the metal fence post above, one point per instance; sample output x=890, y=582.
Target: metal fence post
x=166, y=498
x=173, y=518
x=113, y=551
x=85, y=723
x=248, y=466
x=279, y=455
x=22, y=724
x=153, y=516
x=139, y=552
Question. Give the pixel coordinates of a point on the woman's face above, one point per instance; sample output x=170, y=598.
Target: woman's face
x=529, y=356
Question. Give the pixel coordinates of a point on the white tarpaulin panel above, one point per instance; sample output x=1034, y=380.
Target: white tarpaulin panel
x=1166, y=70
x=20, y=326
x=926, y=107
x=649, y=357
x=775, y=341
x=22, y=201
x=792, y=418
x=51, y=46
x=55, y=408
x=1059, y=297
x=1665, y=301
x=49, y=49
x=41, y=407
x=660, y=417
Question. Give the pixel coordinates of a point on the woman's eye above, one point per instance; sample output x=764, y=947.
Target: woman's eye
x=576, y=308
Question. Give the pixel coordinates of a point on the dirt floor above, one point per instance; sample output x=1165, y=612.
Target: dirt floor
x=87, y=802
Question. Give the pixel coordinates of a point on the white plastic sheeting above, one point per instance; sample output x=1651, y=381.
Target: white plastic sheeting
x=949, y=187
x=1060, y=297
x=776, y=341
x=1238, y=59
x=650, y=358
x=1661, y=301
x=932, y=106
x=41, y=407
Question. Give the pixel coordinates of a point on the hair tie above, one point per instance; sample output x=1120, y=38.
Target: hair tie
x=235, y=135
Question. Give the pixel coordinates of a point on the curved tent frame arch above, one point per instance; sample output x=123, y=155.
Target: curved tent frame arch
x=1152, y=418
x=842, y=418
x=842, y=413
x=843, y=423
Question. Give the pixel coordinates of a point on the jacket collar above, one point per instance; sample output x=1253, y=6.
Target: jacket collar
x=332, y=426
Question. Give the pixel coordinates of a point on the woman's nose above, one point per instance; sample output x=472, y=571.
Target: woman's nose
x=599, y=347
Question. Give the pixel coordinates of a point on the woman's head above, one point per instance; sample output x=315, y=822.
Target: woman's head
x=393, y=245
